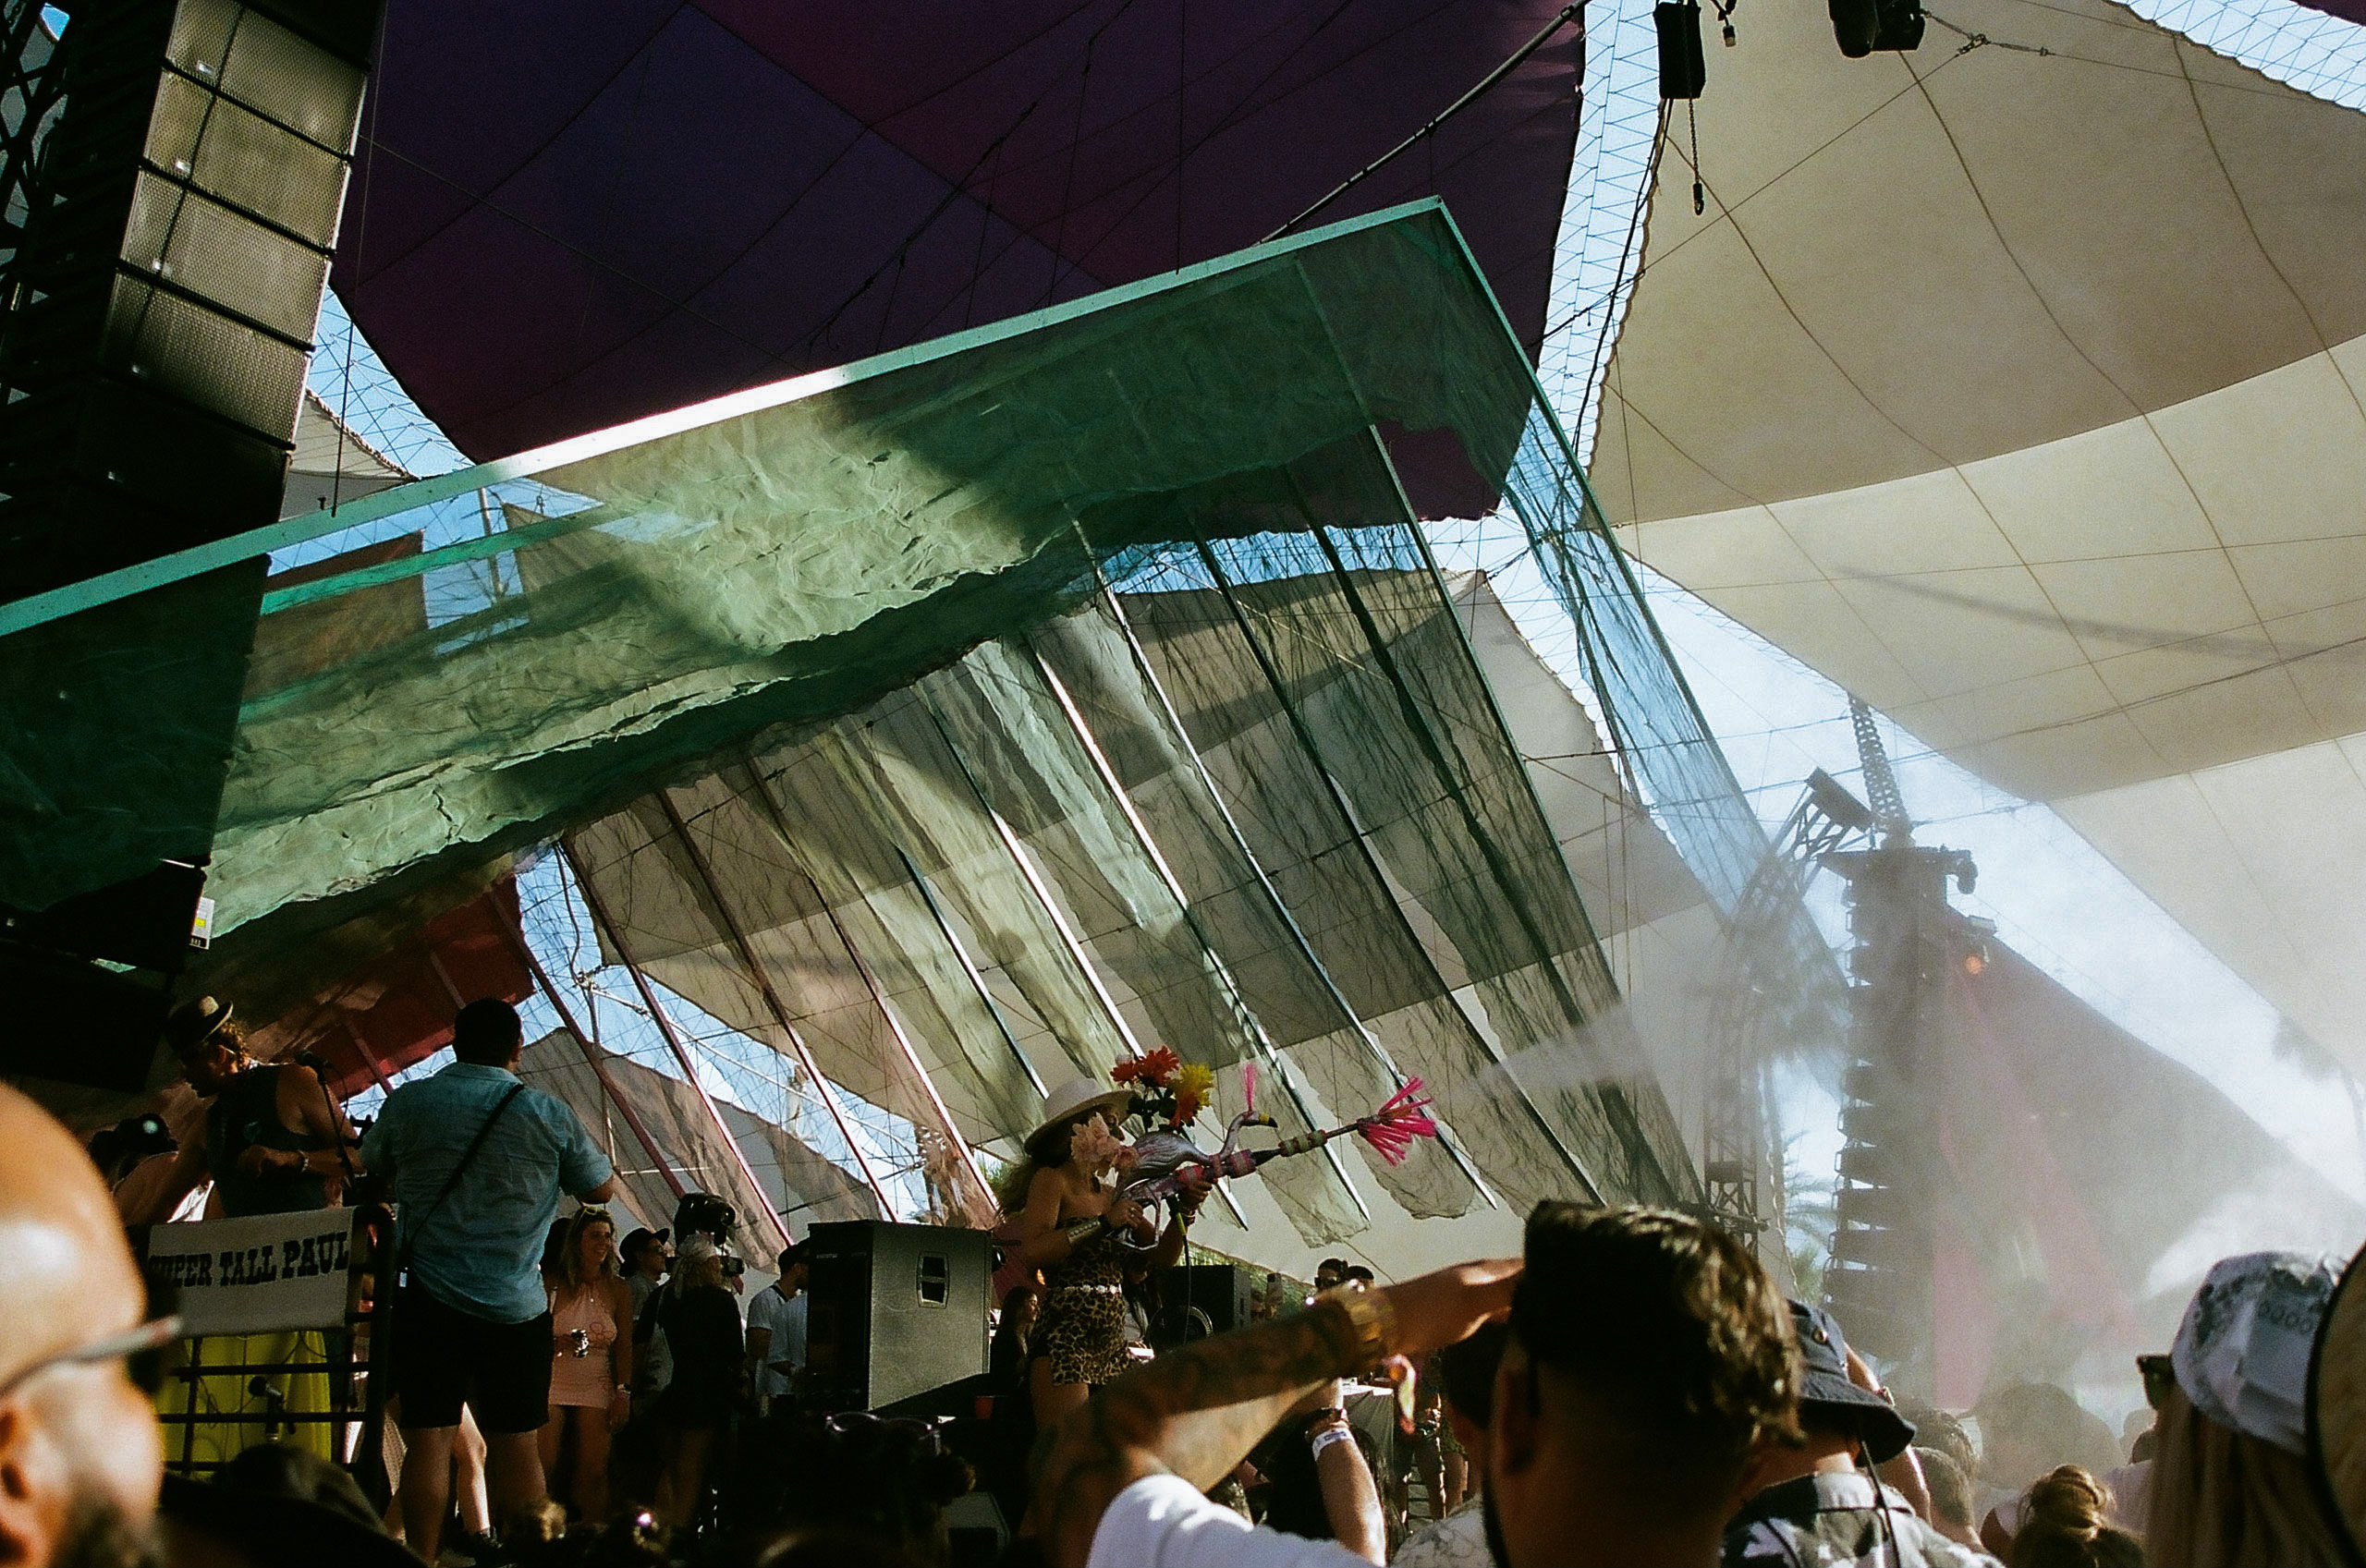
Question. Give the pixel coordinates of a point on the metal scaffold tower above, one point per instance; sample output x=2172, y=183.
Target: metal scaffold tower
x=1905, y=938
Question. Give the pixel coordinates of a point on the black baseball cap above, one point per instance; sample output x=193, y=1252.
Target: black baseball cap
x=640, y=1239
x=1828, y=1399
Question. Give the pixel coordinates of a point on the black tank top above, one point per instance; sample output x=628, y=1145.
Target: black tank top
x=247, y=1112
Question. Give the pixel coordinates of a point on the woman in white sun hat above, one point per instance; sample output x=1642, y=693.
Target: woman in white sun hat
x=1068, y=1227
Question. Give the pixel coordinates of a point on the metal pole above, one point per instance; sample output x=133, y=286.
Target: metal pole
x=772, y=1002
x=368, y=1060
x=962, y=955
x=1355, y=831
x=591, y=1057
x=1244, y=1014
x=870, y=983
x=600, y=917
x=1082, y=960
x=1273, y=894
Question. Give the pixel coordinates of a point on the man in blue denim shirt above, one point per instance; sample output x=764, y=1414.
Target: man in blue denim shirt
x=471, y=1324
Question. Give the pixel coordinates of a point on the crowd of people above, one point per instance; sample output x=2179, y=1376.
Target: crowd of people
x=1633, y=1389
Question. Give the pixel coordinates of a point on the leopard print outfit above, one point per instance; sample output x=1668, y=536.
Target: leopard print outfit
x=1081, y=1326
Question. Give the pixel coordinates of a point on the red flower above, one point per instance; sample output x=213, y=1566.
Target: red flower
x=1156, y=1069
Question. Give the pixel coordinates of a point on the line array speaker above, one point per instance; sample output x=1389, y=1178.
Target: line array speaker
x=159, y=315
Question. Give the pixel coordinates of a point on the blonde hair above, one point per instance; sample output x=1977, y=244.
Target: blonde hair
x=570, y=1260
x=2065, y=1524
x=692, y=1273
x=2223, y=1498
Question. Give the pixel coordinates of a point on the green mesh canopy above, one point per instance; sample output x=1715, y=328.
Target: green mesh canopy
x=615, y=608
x=991, y=711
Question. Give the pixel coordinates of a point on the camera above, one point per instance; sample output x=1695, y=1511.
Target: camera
x=705, y=1213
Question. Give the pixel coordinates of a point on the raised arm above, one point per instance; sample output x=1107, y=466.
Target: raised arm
x=1350, y=1495
x=189, y=1173
x=1197, y=1411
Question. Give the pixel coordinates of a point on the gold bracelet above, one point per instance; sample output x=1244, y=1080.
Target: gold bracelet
x=1372, y=1316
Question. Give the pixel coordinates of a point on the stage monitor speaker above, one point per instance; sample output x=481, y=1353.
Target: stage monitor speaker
x=1196, y=1300
x=894, y=1310
x=160, y=310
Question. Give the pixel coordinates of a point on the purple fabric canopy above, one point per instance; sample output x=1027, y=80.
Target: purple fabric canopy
x=568, y=213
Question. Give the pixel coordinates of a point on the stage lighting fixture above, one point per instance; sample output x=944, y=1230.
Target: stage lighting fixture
x=1863, y=26
x=1684, y=70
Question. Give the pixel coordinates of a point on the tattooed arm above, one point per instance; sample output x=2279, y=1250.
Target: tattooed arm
x=1196, y=1413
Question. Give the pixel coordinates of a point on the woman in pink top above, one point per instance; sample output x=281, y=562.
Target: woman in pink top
x=591, y=1363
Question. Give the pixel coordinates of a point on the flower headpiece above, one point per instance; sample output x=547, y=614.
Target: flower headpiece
x=1164, y=1091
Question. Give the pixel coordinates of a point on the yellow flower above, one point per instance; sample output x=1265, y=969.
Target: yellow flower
x=1192, y=1087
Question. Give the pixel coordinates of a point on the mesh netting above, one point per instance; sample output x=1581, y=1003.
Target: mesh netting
x=1061, y=690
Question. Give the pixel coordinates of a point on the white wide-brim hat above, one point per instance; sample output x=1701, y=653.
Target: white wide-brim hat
x=1074, y=1097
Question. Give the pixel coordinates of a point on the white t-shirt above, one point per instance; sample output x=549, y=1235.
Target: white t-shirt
x=784, y=1318
x=1162, y=1522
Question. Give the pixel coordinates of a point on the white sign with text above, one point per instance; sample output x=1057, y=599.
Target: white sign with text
x=255, y=1275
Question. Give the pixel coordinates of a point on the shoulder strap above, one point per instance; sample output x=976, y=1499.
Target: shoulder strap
x=468, y=1157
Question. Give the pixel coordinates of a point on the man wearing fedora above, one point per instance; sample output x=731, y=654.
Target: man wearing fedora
x=273, y=1140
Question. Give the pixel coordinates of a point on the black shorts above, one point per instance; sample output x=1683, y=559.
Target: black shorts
x=445, y=1357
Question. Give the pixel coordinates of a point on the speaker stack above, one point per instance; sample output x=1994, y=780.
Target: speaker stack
x=1196, y=1300
x=896, y=1313
x=161, y=310
x=156, y=318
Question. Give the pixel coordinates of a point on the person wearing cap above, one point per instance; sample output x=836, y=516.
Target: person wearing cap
x=2232, y=1482
x=1819, y=1503
x=275, y=1141
x=1071, y=1227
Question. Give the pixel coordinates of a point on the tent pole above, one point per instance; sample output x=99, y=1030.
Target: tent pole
x=1355, y=831
x=1273, y=894
x=1034, y=878
x=591, y=1055
x=870, y=984
x=772, y=1002
x=368, y=1059
x=607, y=925
x=978, y=981
x=1246, y=1015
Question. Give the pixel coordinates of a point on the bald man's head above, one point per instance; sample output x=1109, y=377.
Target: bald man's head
x=80, y=1457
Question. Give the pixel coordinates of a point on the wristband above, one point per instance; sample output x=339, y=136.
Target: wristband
x=1337, y=1432
x=1085, y=1230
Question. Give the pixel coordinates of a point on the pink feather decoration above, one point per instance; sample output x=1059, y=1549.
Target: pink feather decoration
x=1392, y=1128
x=1249, y=1085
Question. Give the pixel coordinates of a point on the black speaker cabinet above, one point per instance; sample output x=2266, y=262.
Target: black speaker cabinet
x=159, y=311
x=1196, y=1300
x=894, y=1310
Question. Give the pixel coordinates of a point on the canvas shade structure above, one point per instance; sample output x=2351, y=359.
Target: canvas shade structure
x=1131, y=827
x=791, y=1178
x=596, y=614
x=631, y=608
x=2019, y=396
x=566, y=219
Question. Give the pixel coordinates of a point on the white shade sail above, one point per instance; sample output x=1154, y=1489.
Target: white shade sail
x=2019, y=394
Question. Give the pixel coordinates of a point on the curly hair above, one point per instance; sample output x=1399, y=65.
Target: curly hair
x=2065, y=1524
x=1670, y=1321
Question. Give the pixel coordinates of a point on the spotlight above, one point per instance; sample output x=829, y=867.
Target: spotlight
x=1864, y=26
x=1684, y=71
